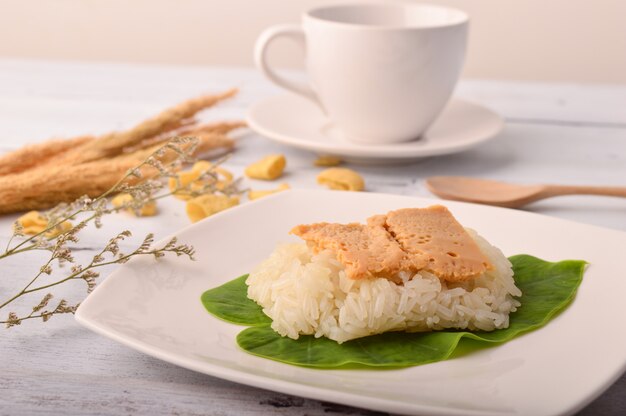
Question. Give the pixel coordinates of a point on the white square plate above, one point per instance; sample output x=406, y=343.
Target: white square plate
x=155, y=308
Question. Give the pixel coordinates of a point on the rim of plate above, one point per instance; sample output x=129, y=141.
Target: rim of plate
x=293, y=387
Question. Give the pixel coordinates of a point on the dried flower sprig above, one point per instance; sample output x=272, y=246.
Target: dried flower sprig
x=145, y=183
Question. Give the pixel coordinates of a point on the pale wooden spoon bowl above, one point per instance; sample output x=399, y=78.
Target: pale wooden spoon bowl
x=482, y=191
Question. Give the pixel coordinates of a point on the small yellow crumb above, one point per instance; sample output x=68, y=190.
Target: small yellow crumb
x=59, y=229
x=33, y=222
x=147, y=210
x=203, y=166
x=327, y=161
x=268, y=168
x=252, y=195
x=343, y=179
x=191, y=181
x=206, y=205
x=184, y=181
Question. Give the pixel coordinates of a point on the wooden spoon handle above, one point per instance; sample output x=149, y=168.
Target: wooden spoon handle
x=554, y=190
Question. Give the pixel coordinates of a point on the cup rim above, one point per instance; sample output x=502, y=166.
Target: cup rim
x=311, y=15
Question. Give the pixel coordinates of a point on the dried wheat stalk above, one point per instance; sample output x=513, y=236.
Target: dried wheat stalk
x=45, y=188
x=114, y=143
x=217, y=131
x=32, y=155
x=43, y=175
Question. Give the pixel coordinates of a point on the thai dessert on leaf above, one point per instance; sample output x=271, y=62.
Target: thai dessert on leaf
x=411, y=270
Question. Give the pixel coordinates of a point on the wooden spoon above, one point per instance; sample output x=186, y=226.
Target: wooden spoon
x=481, y=191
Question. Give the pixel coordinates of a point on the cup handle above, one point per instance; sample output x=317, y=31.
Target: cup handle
x=291, y=31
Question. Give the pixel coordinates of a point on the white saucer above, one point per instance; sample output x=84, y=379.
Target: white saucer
x=295, y=121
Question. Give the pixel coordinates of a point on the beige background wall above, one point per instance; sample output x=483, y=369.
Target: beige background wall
x=551, y=40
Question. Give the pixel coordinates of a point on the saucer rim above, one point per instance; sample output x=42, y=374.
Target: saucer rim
x=391, y=151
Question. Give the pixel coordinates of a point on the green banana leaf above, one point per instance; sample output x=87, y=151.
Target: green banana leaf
x=547, y=289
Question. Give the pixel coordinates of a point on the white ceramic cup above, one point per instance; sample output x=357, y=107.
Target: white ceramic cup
x=381, y=72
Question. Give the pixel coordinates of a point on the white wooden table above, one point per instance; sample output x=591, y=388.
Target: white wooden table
x=568, y=134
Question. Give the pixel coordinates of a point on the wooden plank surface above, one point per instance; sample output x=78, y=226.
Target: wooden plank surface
x=554, y=133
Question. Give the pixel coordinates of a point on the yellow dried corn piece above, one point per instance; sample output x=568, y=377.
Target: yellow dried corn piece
x=185, y=179
x=147, y=210
x=268, y=168
x=206, y=205
x=191, y=181
x=59, y=229
x=252, y=195
x=33, y=222
x=203, y=166
x=327, y=161
x=224, y=176
x=121, y=199
x=343, y=179
x=227, y=175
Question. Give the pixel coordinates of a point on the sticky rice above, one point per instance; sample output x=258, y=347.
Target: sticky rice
x=309, y=294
